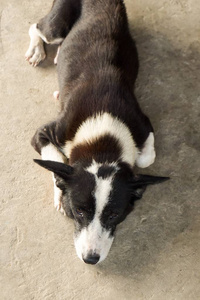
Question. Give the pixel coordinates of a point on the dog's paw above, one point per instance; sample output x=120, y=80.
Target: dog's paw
x=57, y=199
x=35, y=55
x=148, y=154
x=145, y=160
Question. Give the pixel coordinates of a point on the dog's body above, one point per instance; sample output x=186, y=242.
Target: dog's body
x=101, y=129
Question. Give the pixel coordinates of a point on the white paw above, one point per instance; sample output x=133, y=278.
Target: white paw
x=144, y=160
x=35, y=55
x=57, y=198
x=58, y=207
x=147, y=156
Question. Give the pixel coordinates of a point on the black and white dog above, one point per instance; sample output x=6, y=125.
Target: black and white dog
x=100, y=132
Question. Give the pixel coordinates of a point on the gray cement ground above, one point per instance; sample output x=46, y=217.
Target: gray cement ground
x=156, y=254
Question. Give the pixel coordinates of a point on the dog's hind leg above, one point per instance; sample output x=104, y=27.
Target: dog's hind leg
x=52, y=29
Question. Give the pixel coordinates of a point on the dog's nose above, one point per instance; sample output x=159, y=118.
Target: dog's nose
x=91, y=259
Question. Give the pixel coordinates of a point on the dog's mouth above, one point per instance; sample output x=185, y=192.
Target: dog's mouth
x=92, y=244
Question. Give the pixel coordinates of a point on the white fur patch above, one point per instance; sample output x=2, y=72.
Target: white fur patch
x=147, y=155
x=50, y=152
x=57, y=197
x=56, y=95
x=56, y=57
x=103, y=186
x=93, y=239
x=102, y=192
x=54, y=42
x=98, y=126
x=35, y=53
x=94, y=167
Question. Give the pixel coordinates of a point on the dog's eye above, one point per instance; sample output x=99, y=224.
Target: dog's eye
x=113, y=216
x=79, y=212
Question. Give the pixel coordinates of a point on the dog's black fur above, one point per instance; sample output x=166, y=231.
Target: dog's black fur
x=97, y=69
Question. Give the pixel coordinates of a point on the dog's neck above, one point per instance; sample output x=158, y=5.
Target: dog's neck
x=102, y=138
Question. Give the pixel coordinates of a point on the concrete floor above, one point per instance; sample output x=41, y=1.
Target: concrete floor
x=156, y=254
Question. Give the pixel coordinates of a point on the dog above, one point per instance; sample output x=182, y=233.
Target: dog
x=100, y=133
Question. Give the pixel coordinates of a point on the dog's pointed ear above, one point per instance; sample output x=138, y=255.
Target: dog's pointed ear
x=140, y=182
x=62, y=170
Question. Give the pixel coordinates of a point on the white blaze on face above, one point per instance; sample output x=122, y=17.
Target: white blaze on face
x=94, y=238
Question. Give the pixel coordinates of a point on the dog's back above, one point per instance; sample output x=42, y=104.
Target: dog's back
x=99, y=45
x=97, y=68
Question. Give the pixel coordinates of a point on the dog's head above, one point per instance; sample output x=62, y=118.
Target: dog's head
x=98, y=198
